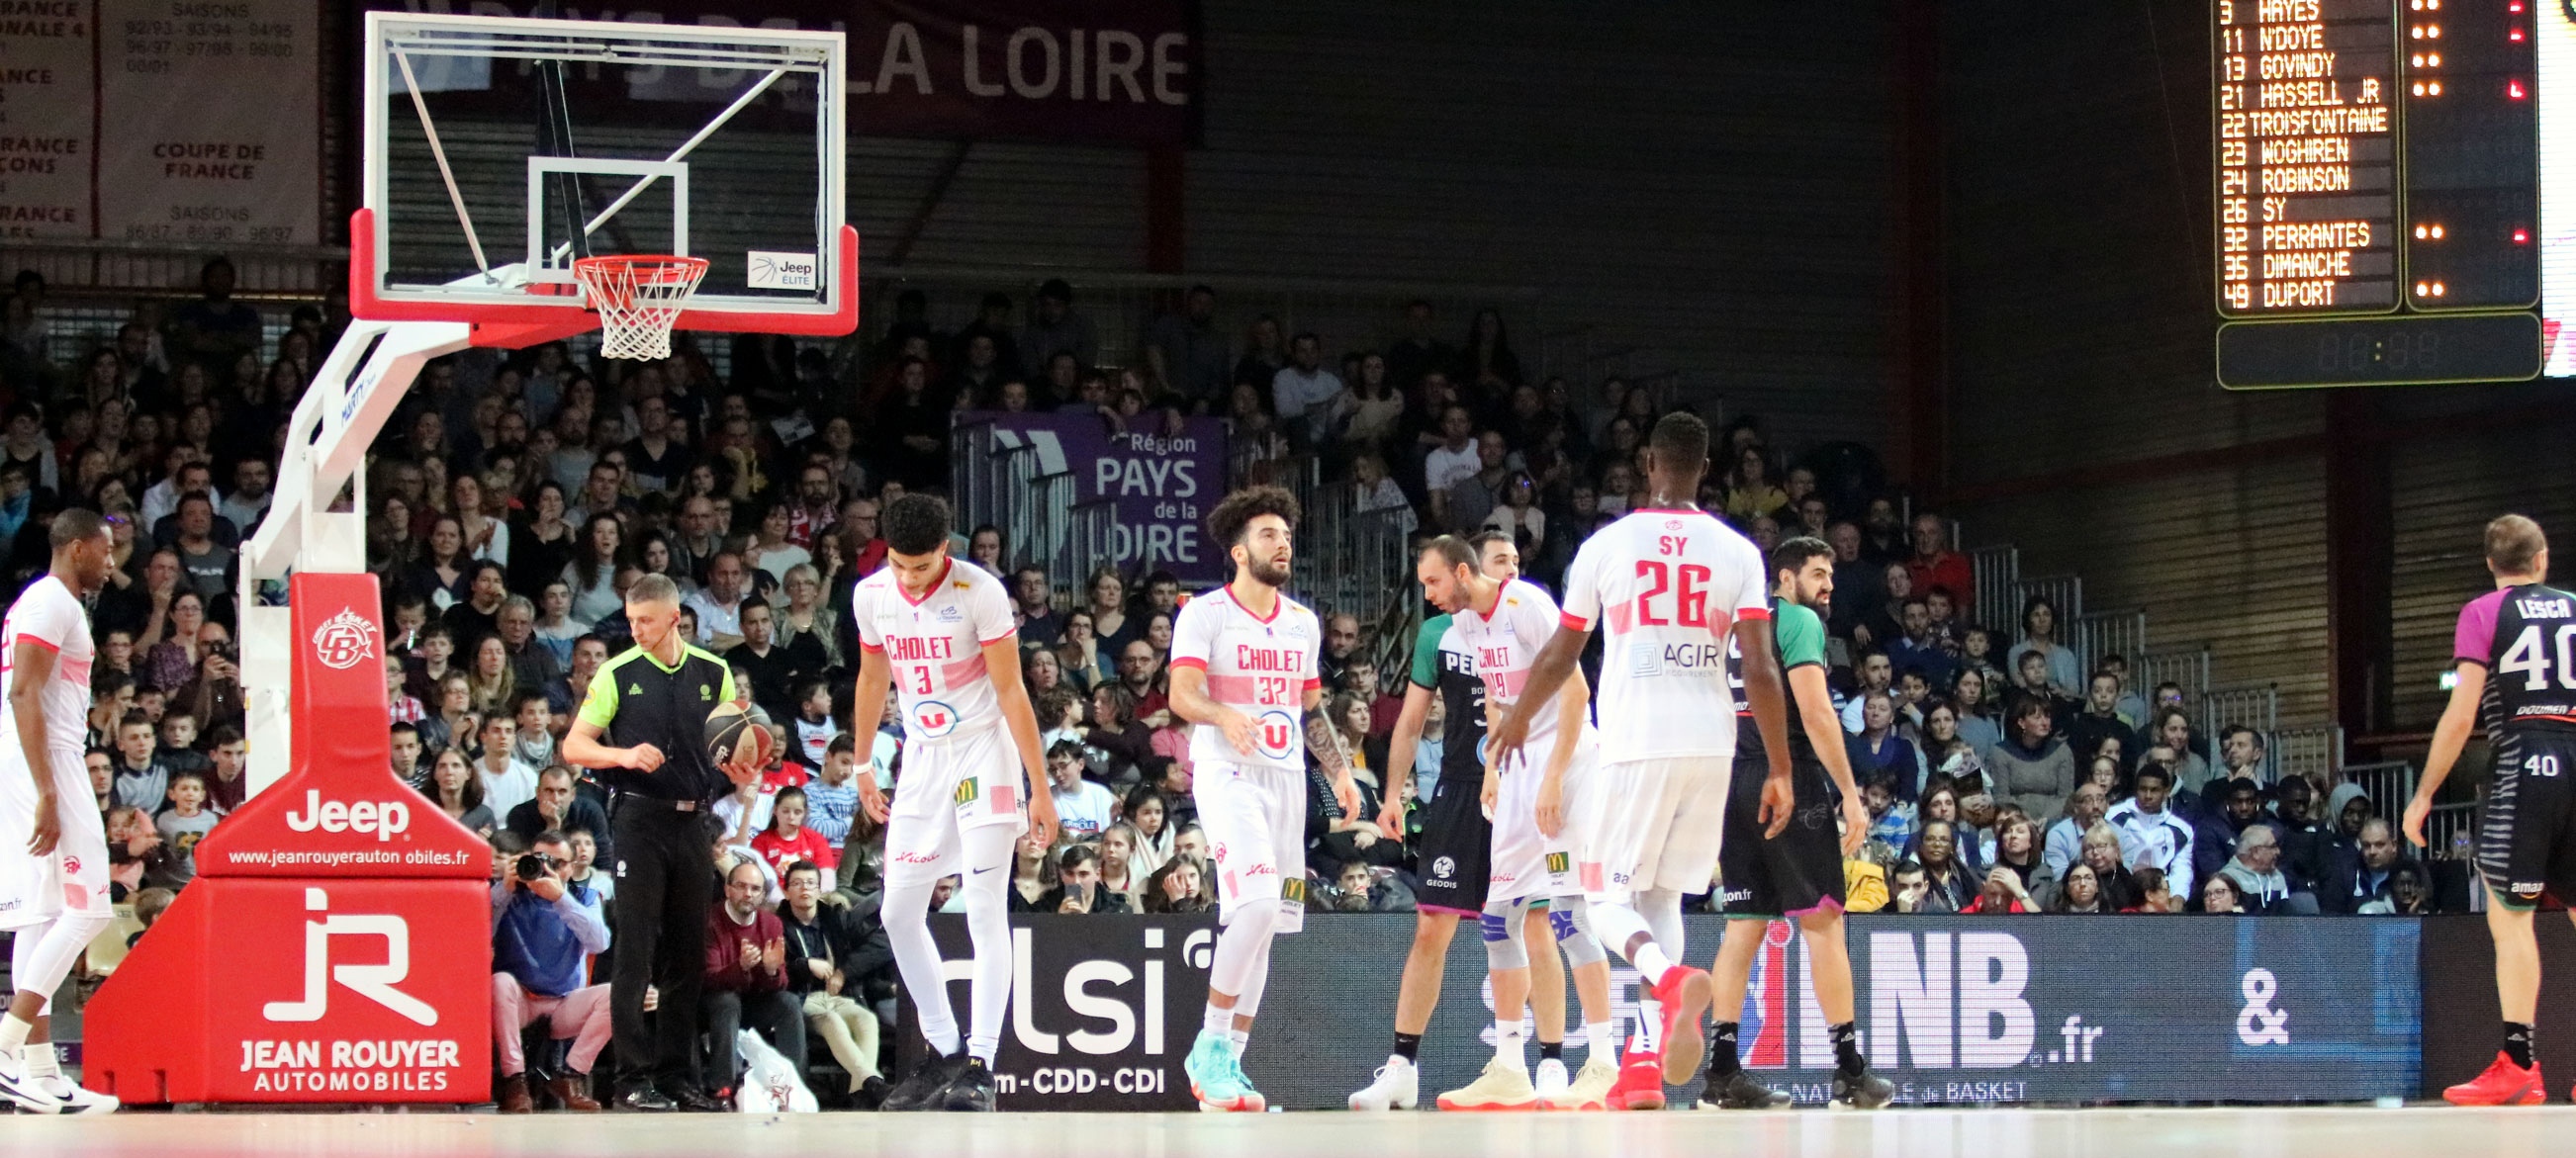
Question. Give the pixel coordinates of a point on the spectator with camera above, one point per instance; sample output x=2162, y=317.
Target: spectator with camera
x=817, y=928
x=545, y=928
x=747, y=979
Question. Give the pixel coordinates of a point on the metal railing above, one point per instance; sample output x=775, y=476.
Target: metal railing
x=2389, y=784
x=1998, y=572
x=2188, y=670
x=1349, y=314
x=166, y=269
x=2102, y=633
x=2064, y=592
x=1025, y=486
x=2258, y=708
x=1348, y=560
x=2451, y=833
x=2316, y=753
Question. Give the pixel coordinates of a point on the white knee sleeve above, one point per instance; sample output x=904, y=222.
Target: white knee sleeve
x=988, y=923
x=39, y=958
x=1662, y=910
x=916, y=959
x=1247, y=1004
x=1242, y=946
x=1571, y=919
x=1506, y=946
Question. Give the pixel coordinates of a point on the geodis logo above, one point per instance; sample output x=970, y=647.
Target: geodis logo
x=344, y=641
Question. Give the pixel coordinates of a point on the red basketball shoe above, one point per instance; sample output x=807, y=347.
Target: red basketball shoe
x=2504, y=1084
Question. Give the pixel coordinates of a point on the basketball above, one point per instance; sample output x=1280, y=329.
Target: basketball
x=733, y=725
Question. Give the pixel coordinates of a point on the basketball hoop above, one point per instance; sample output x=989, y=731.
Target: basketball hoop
x=639, y=297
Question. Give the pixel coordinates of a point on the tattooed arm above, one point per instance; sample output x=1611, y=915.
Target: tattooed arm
x=1326, y=743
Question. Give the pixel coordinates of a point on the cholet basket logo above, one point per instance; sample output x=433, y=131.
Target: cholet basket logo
x=344, y=640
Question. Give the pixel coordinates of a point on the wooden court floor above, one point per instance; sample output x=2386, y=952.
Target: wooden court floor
x=2343, y=1132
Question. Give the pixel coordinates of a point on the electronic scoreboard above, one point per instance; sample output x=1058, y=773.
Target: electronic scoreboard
x=2384, y=170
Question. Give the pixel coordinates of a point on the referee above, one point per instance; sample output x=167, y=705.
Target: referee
x=643, y=727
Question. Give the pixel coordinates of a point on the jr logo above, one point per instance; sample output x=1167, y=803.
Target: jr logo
x=374, y=982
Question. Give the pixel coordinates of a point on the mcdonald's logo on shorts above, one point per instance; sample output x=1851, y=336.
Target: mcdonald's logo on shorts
x=968, y=789
x=1293, y=890
x=1558, y=862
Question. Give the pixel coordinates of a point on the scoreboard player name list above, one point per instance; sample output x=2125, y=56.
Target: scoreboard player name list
x=2306, y=155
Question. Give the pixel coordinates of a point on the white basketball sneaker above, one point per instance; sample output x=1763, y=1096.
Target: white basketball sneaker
x=1398, y=1086
x=44, y=1067
x=1591, y=1088
x=22, y=1089
x=1552, y=1082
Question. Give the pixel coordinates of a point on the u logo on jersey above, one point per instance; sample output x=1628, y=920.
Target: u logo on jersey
x=1273, y=732
x=933, y=719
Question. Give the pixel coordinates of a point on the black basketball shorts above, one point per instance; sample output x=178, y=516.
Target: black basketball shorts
x=1793, y=874
x=2527, y=836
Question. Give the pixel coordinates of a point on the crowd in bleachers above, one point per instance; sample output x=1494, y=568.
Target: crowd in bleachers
x=515, y=495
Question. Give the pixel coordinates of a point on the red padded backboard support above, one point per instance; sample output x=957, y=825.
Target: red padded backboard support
x=336, y=944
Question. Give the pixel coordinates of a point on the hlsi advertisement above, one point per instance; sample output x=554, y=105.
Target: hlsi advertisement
x=1103, y=1008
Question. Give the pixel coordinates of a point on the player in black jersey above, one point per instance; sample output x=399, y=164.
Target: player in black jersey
x=1798, y=874
x=2515, y=652
x=1456, y=844
x=1453, y=849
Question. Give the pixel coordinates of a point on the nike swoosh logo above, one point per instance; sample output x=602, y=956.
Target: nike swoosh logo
x=981, y=871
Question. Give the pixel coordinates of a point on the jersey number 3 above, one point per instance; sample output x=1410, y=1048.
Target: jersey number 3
x=1688, y=602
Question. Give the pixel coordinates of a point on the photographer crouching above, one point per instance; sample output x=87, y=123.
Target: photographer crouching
x=545, y=928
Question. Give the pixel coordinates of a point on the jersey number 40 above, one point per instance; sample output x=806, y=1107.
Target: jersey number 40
x=2528, y=657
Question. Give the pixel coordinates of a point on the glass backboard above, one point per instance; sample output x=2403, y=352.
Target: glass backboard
x=499, y=150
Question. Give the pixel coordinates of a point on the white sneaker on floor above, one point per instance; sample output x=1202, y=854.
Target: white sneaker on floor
x=24, y=1090
x=1591, y=1088
x=1503, y=1086
x=1398, y=1086
x=44, y=1067
x=1551, y=1082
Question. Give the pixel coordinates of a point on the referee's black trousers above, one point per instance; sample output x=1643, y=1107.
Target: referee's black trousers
x=665, y=890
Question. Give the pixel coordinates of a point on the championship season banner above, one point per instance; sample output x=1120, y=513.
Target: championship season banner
x=180, y=121
x=1954, y=1010
x=1103, y=1008
x=1162, y=486
x=1107, y=72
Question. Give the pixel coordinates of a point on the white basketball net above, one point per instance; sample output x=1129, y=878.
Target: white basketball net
x=638, y=298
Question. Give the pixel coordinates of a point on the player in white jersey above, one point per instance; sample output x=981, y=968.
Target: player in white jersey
x=1672, y=584
x=53, y=846
x=1244, y=672
x=1538, y=808
x=942, y=634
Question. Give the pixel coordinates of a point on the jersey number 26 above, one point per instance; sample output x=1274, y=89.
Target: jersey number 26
x=1688, y=602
